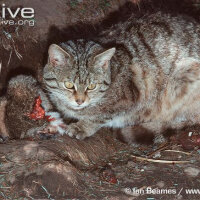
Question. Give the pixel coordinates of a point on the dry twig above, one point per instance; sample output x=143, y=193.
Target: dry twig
x=160, y=161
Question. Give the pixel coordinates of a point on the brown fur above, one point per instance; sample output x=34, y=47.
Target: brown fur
x=3, y=130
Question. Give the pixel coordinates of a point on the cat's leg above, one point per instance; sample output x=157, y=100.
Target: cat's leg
x=56, y=123
x=135, y=135
x=180, y=102
x=145, y=133
x=183, y=83
x=82, y=129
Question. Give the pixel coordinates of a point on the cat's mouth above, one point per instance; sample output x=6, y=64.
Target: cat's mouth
x=79, y=107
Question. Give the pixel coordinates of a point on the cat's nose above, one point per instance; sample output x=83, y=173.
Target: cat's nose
x=79, y=101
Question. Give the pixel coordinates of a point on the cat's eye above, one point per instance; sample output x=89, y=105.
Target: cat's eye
x=91, y=87
x=69, y=85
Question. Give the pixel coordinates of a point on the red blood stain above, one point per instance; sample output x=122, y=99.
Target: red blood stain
x=113, y=180
x=38, y=112
x=49, y=119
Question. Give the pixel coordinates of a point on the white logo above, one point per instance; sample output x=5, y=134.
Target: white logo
x=27, y=15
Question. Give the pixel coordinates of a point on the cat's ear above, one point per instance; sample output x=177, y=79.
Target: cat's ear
x=102, y=59
x=57, y=56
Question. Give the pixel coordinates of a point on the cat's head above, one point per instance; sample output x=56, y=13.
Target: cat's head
x=78, y=72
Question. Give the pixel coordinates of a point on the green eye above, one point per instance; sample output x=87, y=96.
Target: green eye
x=69, y=85
x=91, y=87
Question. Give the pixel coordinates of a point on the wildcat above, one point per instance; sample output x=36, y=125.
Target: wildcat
x=140, y=74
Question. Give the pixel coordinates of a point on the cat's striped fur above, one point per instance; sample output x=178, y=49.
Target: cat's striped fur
x=152, y=77
x=146, y=72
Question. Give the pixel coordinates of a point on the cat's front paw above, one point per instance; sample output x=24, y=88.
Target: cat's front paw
x=56, y=124
x=74, y=130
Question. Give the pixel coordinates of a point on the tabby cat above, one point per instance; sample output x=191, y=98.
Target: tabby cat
x=142, y=73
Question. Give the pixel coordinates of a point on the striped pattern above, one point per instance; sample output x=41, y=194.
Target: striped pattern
x=153, y=78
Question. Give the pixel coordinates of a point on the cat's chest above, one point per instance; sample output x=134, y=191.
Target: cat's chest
x=76, y=114
x=71, y=114
x=115, y=122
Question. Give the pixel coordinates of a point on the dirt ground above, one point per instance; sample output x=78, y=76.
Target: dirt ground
x=38, y=169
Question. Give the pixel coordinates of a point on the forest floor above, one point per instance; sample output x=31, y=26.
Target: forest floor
x=128, y=172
